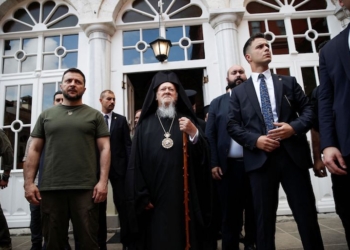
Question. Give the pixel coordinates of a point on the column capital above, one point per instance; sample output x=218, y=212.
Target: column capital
x=231, y=15
x=105, y=27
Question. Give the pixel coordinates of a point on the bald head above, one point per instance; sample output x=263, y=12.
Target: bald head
x=235, y=76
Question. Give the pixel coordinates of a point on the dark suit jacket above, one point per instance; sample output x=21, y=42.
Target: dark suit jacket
x=334, y=93
x=219, y=139
x=120, y=146
x=246, y=123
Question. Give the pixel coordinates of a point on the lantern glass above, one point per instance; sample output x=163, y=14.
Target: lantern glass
x=161, y=48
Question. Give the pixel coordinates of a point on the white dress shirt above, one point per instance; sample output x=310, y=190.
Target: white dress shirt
x=270, y=89
x=236, y=150
x=109, y=119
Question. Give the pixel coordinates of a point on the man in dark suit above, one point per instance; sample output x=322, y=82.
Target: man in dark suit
x=269, y=116
x=334, y=118
x=228, y=169
x=120, y=151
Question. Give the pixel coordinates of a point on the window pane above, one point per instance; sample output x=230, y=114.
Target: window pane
x=130, y=38
x=25, y=110
x=174, y=34
x=11, y=46
x=49, y=90
x=48, y=7
x=150, y=35
x=277, y=27
x=50, y=62
x=299, y=26
x=23, y=136
x=311, y=5
x=283, y=71
x=23, y=16
x=34, y=9
x=70, y=42
x=132, y=16
x=309, y=79
x=280, y=46
x=10, y=65
x=69, y=21
x=192, y=11
x=148, y=56
x=131, y=56
x=178, y=4
x=176, y=54
x=70, y=60
x=302, y=45
x=51, y=43
x=29, y=64
x=196, y=51
x=60, y=11
x=195, y=33
x=319, y=24
x=30, y=45
x=10, y=105
x=256, y=8
x=13, y=26
x=11, y=136
x=256, y=27
x=142, y=5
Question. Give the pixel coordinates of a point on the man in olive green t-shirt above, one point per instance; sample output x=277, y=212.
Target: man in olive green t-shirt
x=70, y=134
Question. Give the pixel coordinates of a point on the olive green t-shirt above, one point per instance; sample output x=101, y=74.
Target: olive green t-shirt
x=70, y=134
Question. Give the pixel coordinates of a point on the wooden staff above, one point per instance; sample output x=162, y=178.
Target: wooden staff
x=186, y=192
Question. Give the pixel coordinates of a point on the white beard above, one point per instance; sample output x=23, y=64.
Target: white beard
x=167, y=111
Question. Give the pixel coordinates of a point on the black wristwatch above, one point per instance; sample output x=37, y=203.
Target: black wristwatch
x=5, y=177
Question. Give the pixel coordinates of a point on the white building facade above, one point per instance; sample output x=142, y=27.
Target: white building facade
x=109, y=41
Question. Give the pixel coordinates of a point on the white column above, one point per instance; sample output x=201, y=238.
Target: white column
x=226, y=35
x=99, y=73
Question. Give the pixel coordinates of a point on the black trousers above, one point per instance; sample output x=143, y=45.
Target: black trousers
x=57, y=207
x=265, y=181
x=5, y=239
x=234, y=192
x=35, y=227
x=119, y=202
x=341, y=188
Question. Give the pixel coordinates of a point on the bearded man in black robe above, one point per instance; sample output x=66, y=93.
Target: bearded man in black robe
x=155, y=177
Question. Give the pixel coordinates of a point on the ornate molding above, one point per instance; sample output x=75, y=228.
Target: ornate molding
x=220, y=16
x=105, y=27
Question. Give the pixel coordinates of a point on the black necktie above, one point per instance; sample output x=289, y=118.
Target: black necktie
x=106, y=120
x=266, y=109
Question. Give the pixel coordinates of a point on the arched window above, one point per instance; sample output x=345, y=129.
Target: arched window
x=25, y=53
x=147, y=10
x=187, y=39
x=38, y=38
x=294, y=29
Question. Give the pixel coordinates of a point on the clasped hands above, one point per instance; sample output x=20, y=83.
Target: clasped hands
x=271, y=141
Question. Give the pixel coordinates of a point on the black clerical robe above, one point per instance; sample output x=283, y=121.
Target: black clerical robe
x=155, y=175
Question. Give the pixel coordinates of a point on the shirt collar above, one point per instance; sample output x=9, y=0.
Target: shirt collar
x=109, y=114
x=266, y=73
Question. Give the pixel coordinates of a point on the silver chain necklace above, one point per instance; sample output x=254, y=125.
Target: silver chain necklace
x=167, y=142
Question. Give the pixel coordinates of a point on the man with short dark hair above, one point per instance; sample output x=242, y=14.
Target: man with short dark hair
x=6, y=153
x=269, y=116
x=120, y=151
x=68, y=187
